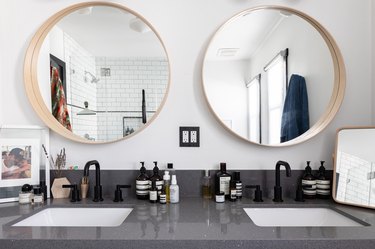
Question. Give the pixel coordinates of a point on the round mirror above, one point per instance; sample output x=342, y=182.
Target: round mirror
x=273, y=76
x=97, y=72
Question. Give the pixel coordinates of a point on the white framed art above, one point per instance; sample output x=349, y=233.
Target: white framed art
x=23, y=160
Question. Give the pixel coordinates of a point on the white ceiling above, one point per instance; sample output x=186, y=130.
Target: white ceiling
x=246, y=32
x=105, y=32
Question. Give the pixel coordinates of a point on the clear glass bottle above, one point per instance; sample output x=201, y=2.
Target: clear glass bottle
x=167, y=183
x=142, y=184
x=25, y=195
x=222, y=180
x=206, y=185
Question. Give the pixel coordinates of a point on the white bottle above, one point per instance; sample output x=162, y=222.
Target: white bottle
x=174, y=190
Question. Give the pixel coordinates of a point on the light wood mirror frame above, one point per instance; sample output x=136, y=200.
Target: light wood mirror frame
x=31, y=75
x=338, y=85
x=362, y=155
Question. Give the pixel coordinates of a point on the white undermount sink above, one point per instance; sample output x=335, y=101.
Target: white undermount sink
x=77, y=217
x=299, y=217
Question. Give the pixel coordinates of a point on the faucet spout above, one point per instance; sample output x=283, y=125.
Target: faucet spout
x=97, y=188
x=277, y=188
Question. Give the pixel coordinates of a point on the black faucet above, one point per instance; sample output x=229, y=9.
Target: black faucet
x=74, y=196
x=277, y=189
x=98, y=188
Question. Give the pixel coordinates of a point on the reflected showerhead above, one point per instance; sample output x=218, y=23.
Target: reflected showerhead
x=93, y=77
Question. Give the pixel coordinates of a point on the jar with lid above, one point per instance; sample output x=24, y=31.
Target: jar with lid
x=38, y=196
x=25, y=195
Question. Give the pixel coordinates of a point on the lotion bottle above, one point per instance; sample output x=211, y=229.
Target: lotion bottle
x=174, y=190
x=222, y=180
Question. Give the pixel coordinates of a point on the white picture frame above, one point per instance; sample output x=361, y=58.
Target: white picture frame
x=23, y=162
x=25, y=135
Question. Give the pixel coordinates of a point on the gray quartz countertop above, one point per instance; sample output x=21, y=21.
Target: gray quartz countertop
x=193, y=223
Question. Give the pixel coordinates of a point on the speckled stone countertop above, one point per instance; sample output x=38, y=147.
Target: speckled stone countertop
x=193, y=223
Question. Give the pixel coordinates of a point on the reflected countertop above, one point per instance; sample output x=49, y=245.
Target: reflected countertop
x=193, y=223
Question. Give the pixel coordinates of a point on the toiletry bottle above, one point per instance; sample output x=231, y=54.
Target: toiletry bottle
x=237, y=180
x=167, y=183
x=163, y=196
x=206, y=185
x=25, y=195
x=323, y=183
x=157, y=178
x=38, y=196
x=233, y=191
x=153, y=193
x=222, y=180
x=175, y=191
x=142, y=184
x=309, y=192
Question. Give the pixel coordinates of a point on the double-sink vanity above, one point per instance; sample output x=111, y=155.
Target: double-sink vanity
x=194, y=222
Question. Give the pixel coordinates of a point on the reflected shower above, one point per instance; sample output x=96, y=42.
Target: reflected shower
x=93, y=77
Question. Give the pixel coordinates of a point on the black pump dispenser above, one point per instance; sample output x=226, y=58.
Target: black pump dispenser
x=323, y=183
x=308, y=183
x=142, y=184
x=157, y=178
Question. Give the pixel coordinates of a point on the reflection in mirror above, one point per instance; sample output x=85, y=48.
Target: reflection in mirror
x=354, y=172
x=268, y=75
x=102, y=72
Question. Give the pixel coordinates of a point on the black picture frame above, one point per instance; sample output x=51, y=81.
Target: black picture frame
x=60, y=65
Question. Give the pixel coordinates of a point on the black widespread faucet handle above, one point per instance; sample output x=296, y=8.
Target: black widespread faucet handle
x=258, y=192
x=118, y=192
x=74, y=192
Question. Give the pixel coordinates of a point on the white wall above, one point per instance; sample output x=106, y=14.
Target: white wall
x=228, y=78
x=186, y=27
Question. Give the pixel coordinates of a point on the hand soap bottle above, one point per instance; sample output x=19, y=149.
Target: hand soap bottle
x=222, y=180
x=157, y=178
x=308, y=183
x=323, y=183
x=142, y=184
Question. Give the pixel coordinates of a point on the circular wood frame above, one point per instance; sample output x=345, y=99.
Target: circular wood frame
x=31, y=77
x=339, y=77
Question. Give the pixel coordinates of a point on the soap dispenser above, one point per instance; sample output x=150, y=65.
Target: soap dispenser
x=308, y=183
x=142, y=184
x=157, y=178
x=323, y=183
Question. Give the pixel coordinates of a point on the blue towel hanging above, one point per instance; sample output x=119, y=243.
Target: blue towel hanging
x=295, y=117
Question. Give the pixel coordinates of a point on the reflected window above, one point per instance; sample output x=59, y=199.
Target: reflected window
x=253, y=90
x=276, y=80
